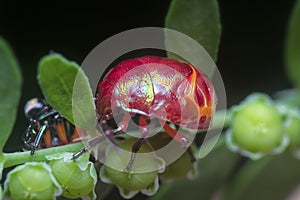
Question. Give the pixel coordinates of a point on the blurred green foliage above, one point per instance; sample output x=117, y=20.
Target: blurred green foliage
x=10, y=90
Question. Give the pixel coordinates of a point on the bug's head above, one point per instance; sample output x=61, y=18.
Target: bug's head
x=33, y=108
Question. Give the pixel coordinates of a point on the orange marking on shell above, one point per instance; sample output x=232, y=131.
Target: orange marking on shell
x=191, y=95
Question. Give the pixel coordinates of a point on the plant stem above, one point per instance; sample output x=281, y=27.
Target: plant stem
x=222, y=118
x=16, y=158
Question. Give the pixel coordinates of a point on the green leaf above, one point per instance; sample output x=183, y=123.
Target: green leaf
x=198, y=19
x=67, y=89
x=213, y=170
x=292, y=50
x=10, y=91
x=268, y=178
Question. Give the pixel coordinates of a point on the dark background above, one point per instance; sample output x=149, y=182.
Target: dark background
x=250, y=56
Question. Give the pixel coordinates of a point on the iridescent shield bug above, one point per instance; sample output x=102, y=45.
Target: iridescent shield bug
x=47, y=128
x=153, y=87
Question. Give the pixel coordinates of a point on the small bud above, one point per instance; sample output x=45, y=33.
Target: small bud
x=78, y=178
x=257, y=128
x=32, y=181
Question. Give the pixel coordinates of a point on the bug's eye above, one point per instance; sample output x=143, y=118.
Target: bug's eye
x=33, y=107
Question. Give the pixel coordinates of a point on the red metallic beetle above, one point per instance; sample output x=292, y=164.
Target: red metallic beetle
x=153, y=87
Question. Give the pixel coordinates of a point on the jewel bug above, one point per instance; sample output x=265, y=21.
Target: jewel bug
x=152, y=87
x=47, y=128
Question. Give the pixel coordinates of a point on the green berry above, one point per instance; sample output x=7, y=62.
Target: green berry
x=257, y=126
x=32, y=181
x=143, y=174
x=77, y=179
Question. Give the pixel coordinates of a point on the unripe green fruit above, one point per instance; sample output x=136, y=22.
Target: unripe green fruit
x=143, y=174
x=76, y=181
x=257, y=126
x=144, y=169
x=32, y=181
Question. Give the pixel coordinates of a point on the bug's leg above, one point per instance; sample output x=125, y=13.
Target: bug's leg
x=139, y=142
x=180, y=138
x=92, y=143
x=135, y=148
x=39, y=137
x=105, y=133
x=122, y=125
x=103, y=127
x=189, y=150
x=30, y=134
x=28, y=139
x=30, y=129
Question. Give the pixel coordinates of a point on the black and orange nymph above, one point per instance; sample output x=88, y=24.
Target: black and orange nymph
x=47, y=128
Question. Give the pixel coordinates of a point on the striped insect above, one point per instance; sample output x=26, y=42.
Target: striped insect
x=47, y=128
